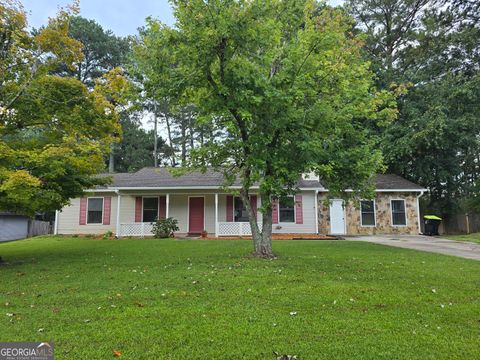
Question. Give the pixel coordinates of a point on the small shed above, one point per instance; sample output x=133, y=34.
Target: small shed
x=13, y=226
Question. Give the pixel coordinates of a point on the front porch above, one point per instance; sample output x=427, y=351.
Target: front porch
x=219, y=214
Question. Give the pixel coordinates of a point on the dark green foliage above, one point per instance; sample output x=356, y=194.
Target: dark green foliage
x=135, y=150
x=102, y=50
x=54, y=131
x=165, y=228
x=432, y=47
x=282, y=83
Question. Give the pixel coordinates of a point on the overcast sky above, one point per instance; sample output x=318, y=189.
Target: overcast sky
x=123, y=17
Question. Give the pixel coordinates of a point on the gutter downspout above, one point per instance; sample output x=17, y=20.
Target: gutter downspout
x=418, y=212
x=55, y=227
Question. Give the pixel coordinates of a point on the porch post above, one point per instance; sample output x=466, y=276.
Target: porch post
x=216, y=214
x=117, y=226
x=167, y=205
x=316, y=211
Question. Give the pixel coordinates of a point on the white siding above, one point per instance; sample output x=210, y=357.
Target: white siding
x=179, y=211
x=127, y=209
x=308, y=226
x=68, y=220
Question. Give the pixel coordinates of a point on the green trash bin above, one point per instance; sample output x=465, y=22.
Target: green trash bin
x=432, y=222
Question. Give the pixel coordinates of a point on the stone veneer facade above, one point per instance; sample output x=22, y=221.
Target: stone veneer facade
x=383, y=216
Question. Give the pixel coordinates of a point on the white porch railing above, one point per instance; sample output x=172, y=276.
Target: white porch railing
x=224, y=229
x=135, y=229
x=235, y=228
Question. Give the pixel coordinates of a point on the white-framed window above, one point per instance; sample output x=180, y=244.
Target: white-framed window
x=150, y=209
x=399, y=215
x=286, y=209
x=95, y=210
x=367, y=210
x=240, y=213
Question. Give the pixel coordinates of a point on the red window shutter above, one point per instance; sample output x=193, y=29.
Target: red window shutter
x=229, y=208
x=162, y=207
x=107, y=207
x=83, y=211
x=275, y=211
x=298, y=209
x=138, y=209
x=253, y=203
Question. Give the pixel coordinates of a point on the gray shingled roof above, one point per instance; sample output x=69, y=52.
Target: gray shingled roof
x=394, y=182
x=150, y=177
x=161, y=177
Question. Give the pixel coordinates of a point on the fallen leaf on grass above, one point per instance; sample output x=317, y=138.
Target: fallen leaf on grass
x=117, y=353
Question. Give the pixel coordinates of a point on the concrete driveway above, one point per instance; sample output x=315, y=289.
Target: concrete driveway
x=465, y=250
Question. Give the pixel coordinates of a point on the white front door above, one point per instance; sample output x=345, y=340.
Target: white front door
x=337, y=217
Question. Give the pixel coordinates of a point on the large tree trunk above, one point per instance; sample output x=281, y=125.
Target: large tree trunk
x=262, y=240
x=265, y=249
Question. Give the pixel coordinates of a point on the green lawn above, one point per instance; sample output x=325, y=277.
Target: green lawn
x=157, y=299
x=470, y=237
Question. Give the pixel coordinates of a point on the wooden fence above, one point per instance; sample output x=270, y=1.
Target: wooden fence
x=460, y=224
x=36, y=227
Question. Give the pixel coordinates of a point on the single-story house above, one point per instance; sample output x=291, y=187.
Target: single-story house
x=199, y=202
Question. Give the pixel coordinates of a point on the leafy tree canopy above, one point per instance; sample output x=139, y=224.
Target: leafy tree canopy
x=102, y=50
x=53, y=130
x=284, y=83
x=432, y=47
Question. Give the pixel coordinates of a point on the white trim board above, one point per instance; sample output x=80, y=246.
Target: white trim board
x=166, y=188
